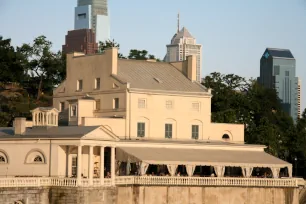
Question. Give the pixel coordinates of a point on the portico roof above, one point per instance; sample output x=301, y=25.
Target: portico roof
x=203, y=157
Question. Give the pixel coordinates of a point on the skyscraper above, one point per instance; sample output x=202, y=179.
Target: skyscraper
x=93, y=14
x=277, y=71
x=182, y=45
x=82, y=40
x=299, y=97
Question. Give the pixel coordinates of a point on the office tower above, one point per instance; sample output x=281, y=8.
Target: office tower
x=182, y=45
x=277, y=71
x=93, y=14
x=82, y=40
x=299, y=97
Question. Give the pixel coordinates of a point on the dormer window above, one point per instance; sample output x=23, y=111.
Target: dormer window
x=97, y=83
x=80, y=85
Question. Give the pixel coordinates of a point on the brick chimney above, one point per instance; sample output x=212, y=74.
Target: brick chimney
x=20, y=126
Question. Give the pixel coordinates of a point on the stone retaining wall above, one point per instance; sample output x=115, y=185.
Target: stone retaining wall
x=150, y=195
x=29, y=195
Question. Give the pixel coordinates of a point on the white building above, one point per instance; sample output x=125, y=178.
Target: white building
x=183, y=44
x=93, y=14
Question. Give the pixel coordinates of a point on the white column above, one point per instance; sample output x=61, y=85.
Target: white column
x=56, y=121
x=113, y=170
x=44, y=119
x=102, y=165
x=79, y=171
x=90, y=167
x=47, y=118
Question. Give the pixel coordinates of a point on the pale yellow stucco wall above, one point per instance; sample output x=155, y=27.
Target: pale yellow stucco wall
x=155, y=115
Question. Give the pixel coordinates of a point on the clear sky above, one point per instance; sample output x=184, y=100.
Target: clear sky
x=233, y=33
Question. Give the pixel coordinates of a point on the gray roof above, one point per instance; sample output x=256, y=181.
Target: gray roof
x=282, y=53
x=50, y=132
x=155, y=75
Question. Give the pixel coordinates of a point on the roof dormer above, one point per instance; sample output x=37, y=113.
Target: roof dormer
x=45, y=116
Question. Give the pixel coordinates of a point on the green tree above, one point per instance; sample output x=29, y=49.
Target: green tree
x=141, y=55
x=46, y=68
x=108, y=44
x=11, y=63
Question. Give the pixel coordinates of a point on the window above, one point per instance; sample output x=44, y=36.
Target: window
x=82, y=16
x=225, y=137
x=276, y=70
x=116, y=103
x=196, y=106
x=79, y=85
x=74, y=165
x=62, y=106
x=38, y=159
x=195, y=132
x=97, y=83
x=2, y=159
x=141, y=127
x=168, y=130
x=73, y=110
x=169, y=104
x=286, y=73
x=141, y=103
x=98, y=103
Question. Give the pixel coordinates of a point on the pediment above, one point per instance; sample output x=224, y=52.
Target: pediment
x=101, y=133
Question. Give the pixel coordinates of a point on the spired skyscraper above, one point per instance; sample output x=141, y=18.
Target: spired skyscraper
x=277, y=71
x=93, y=14
x=182, y=45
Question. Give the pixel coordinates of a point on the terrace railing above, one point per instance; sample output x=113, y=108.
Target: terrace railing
x=153, y=181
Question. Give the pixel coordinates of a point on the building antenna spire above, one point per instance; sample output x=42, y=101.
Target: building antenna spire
x=178, y=22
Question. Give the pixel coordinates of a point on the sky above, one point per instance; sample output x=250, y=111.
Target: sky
x=234, y=34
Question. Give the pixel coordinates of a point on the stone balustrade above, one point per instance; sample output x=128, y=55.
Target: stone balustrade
x=153, y=181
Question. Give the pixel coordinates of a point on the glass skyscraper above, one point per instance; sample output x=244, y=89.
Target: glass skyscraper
x=278, y=71
x=93, y=14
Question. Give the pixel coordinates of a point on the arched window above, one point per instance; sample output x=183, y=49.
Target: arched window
x=18, y=202
x=225, y=137
x=3, y=158
x=38, y=159
x=35, y=157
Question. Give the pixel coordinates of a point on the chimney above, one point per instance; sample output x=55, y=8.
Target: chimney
x=112, y=54
x=20, y=126
x=192, y=67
